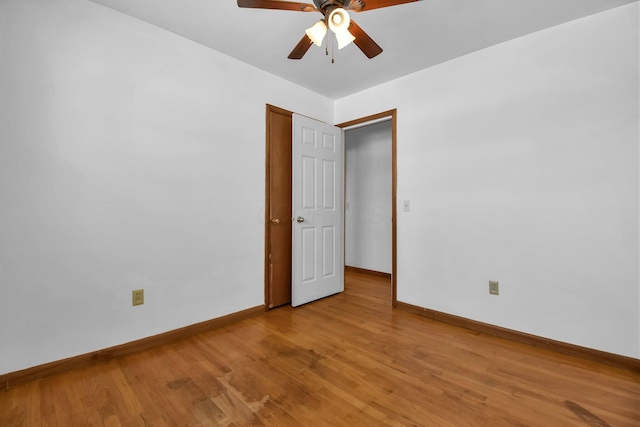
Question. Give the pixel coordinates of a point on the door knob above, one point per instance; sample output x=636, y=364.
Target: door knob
x=275, y=221
x=300, y=219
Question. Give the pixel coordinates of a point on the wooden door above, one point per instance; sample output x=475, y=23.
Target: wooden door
x=318, y=215
x=278, y=208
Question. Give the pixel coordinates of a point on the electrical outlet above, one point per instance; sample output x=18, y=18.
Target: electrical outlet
x=494, y=288
x=138, y=297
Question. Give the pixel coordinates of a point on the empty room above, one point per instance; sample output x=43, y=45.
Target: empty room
x=328, y=213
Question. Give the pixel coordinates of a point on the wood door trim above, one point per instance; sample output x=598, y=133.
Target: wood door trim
x=393, y=114
x=270, y=109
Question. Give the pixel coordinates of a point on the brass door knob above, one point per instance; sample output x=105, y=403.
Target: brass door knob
x=275, y=221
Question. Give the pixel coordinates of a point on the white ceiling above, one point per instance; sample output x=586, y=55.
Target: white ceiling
x=414, y=35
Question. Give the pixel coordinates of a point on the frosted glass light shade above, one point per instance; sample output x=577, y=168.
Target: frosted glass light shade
x=344, y=37
x=317, y=32
x=339, y=20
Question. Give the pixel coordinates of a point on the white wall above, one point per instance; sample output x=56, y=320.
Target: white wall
x=521, y=164
x=129, y=158
x=368, y=197
x=133, y=158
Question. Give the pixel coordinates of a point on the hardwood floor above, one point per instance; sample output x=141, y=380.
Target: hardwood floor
x=346, y=360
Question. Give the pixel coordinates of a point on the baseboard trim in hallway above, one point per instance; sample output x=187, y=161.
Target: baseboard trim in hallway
x=366, y=271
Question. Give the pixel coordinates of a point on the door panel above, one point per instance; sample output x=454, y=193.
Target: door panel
x=308, y=183
x=318, y=167
x=308, y=251
x=328, y=258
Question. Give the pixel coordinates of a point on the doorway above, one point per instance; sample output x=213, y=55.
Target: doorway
x=390, y=117
x=368, y=198
x=278, y=245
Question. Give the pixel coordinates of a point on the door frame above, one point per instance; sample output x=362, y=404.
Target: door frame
x=372, y=119
x=392, y=114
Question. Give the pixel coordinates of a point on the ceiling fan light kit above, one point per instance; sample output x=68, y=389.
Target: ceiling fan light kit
x=336, y=17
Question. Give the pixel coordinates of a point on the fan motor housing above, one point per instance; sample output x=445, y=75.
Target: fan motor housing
x=325, y=4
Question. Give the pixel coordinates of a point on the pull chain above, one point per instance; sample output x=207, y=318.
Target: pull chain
x=331, y=40
x=333, y=49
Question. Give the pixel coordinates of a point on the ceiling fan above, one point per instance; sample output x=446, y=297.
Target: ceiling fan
x=335, y=17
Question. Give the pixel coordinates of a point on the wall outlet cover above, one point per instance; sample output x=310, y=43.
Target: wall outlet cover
x=494, y=288
x=137, y=297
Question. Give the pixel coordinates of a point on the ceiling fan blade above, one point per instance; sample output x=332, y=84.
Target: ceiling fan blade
x=363, y=41
x=364, y=5
x=301, y=48
x=277, y=4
